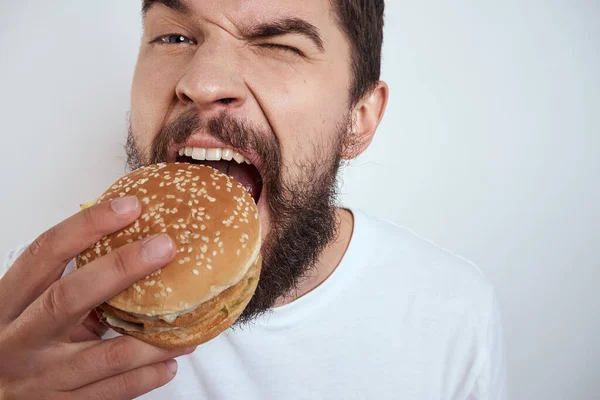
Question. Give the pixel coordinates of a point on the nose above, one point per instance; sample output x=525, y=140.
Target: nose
x=213, y=82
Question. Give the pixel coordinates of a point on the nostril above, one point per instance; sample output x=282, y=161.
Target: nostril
x=226, y=101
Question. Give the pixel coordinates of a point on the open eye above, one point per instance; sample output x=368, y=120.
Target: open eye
x=282, y=47
x=173, y=39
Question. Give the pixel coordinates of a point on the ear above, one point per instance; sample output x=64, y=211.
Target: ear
x=366, y=116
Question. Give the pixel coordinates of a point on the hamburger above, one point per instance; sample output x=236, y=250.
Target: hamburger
x=214, y=223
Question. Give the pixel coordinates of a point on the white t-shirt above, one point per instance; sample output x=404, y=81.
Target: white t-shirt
x=400, y=318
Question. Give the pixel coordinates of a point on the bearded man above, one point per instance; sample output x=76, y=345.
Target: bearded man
x=278, y=94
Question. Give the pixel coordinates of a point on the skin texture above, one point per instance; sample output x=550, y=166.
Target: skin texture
x=203, y=62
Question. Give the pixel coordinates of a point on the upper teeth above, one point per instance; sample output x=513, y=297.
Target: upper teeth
x=201, y=153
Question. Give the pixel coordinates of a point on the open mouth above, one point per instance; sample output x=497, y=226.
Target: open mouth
x=228, y=162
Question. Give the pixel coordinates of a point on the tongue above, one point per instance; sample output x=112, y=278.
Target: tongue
x=243, y=173
x=222, y=166
x=248, y=177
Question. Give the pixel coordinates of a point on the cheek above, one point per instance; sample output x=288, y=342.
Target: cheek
x=152, y=95
x=304, y=112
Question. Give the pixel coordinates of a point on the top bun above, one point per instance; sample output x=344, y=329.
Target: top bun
x=212, y=220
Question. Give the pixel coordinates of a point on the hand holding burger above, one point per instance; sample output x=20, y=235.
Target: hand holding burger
x=214, y=223
x=174, y=291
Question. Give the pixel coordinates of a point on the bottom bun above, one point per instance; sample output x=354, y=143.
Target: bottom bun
x=204, y=323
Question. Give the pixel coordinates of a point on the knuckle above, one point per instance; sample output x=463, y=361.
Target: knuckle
x=36, y=246
x=118, y=260
x=118, y=356
x=125, y=384
x=58, y=298
x=90, y=220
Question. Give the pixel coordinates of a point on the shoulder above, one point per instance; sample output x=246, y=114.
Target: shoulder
x=417, y=265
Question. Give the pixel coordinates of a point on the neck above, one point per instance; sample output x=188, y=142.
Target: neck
x=328, y=261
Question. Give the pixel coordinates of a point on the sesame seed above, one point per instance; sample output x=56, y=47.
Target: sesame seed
x=196, y=272
x=208, y=266
x=169, y=290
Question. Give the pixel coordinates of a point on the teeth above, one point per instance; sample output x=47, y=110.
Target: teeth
x=213, y=154
x=238, y=157
x=201, y=154
x=227, y=154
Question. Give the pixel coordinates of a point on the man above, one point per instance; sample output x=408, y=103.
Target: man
x=348, y=306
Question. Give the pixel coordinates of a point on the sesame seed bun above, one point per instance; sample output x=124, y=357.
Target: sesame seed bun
x=214, y=223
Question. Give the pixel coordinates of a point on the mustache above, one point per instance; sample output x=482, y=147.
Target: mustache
x=235, y=133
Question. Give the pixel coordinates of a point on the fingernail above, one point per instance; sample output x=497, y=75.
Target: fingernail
x=157, y=247
x=172, y=366
x=124, y=205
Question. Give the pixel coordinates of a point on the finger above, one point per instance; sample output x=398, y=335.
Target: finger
x=68, y=300
x=90, y=329
x=129, y=385
x=110, y=358
x=45, y=259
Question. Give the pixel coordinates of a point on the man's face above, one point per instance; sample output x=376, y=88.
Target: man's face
x=267, y=78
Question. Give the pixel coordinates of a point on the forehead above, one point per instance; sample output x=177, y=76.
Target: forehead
x=317, y=12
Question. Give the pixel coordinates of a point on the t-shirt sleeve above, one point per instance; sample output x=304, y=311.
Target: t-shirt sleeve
x=492, y=381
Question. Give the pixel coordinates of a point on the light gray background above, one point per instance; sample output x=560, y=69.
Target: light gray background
x=490, y=147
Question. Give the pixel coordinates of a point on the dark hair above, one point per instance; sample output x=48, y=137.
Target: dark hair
x=362, y=22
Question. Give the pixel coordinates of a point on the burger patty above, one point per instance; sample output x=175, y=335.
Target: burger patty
x=220, y=306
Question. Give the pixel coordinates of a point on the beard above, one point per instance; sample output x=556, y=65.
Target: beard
x=301, y=204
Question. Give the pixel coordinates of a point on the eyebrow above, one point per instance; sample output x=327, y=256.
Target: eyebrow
x=176, y=5
x=284, y=26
